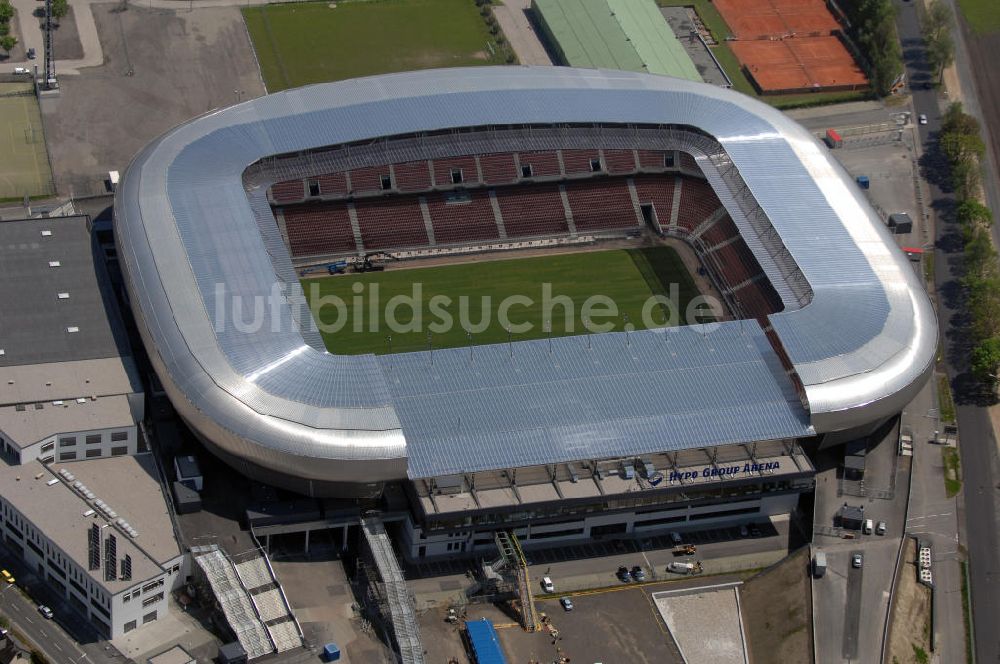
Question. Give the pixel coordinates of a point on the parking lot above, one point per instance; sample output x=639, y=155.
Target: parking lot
x=619, y=624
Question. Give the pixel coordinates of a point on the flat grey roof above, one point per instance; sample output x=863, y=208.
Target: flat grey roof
x=861, y=345
x=34, y=327
x=59, y=511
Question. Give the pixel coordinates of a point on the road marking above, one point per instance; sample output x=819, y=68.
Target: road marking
x=57, y=646
x=928, y=516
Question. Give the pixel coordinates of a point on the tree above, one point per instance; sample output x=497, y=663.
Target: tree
x=938, y=18
x=980, y=257
x=7, y=42
x=965, y=179
x=974, y=214
x=59, y=8
x=960, y=147
x=873, y=28
x=6, y=11
x=986, y=360
x=955, y=119
x=940, y=52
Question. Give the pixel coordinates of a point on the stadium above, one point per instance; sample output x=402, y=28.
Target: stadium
x=826, y=331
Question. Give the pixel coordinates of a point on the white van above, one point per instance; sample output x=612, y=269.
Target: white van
x=547, y=585
x=21, y=70
x=867, y=530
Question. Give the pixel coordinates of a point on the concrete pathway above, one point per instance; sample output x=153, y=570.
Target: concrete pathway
x=933, y=516
x=518, y=29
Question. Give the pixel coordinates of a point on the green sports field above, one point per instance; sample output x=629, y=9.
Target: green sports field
x=24, y=163
x=358, y=308
x=313, y=42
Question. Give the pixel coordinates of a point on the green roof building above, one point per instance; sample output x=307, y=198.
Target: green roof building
x=614, y=34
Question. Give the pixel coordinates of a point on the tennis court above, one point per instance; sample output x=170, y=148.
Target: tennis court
x=24, y=163
x=773, y=19
x=799, y=64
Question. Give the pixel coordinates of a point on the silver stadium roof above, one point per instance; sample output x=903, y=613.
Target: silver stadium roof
x=861, y=340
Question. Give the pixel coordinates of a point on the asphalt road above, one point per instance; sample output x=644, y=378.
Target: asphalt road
x=978, y=446
x=852, y=611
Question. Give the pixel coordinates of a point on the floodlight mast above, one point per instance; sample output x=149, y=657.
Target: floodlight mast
x=50, y=64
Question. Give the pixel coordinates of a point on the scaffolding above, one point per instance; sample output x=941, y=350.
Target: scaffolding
x=392, y=596
x=515, y=564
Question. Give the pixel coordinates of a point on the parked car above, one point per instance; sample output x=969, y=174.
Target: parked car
x=7, y=576
x=744, y=532
x=21, y=70
x=638, y=574
x=547, y=585
x=567, y=603
x=754, y=530
x=45, y=611
x=675, y=537
x=880, y=528
x=857, y=561
x=922, y=119
x=623, y=574
x=31, y=53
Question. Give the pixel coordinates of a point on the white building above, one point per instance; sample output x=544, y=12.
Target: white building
x=99, y=531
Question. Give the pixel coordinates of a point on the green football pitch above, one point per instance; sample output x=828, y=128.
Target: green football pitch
x=302, y=43
x=406, y=310
x=24, y=163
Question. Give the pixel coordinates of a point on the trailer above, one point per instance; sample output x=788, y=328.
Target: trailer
x=685, y=550
x=684, y=568
x=819, y=564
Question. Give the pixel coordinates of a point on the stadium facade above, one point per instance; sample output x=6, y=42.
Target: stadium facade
x=839, y=341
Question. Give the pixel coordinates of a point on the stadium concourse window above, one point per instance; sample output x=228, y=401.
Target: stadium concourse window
x=595, y=166
x=386, y=182
x=456, y=176
x=526, y=171
x=668, y=159
x=314, y=188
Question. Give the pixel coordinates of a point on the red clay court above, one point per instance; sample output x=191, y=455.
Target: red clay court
x=773, y=19
x=799, y=64
x=790, y=46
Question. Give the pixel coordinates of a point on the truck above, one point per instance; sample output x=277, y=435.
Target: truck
x=819, y=564
x=684, y=550
x=684, y=568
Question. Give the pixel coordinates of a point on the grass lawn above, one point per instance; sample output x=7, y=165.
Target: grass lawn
x=983, y=16
x=713, y=20
x=952, y=471
x=304, y=43
x=628, y=277
x=946, y=405
x=24, y=162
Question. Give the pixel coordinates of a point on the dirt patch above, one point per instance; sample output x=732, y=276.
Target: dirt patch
x=982, y=63
x=65, y=39
x=161, y=68
x=909, y=632
x=776, y=606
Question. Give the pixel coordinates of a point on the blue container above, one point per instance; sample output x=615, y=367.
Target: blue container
x=331, y=653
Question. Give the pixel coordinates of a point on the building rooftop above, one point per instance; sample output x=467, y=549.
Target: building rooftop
x=630, y=35
x=857, y=334
x=47, y=500
x=176, y=655
x=28, y=424
x=130, y=485
x=65, y=364
x=56, y=303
